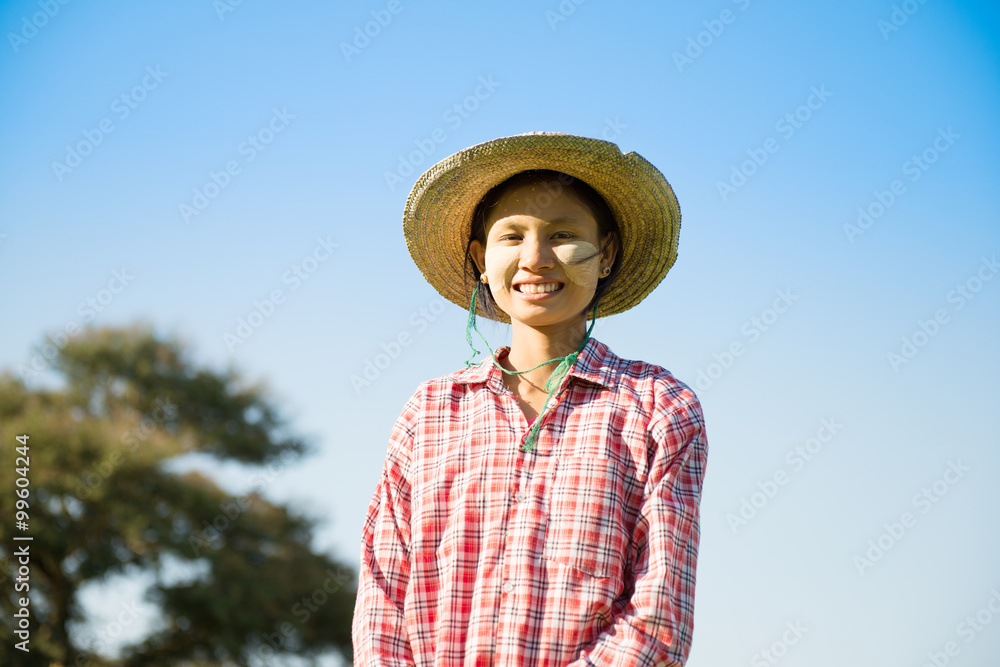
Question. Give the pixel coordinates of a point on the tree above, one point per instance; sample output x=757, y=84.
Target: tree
x=103, y=503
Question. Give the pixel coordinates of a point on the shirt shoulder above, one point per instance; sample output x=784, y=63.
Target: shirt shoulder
x=445, y=387
x=655, y=385
x=438, y=395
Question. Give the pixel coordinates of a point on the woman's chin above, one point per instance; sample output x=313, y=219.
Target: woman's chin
x=537, y=317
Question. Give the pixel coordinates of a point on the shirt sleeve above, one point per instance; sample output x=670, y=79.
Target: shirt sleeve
x=378, y=630
x=655, y=627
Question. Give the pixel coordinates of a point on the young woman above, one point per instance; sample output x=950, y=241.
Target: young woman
x=541, y=507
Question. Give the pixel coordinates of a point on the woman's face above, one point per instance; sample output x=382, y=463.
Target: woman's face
x=536, y=238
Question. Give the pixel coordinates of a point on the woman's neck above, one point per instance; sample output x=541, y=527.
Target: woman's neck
x=531, y=346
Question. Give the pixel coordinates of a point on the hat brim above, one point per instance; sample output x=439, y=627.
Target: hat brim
x=438, y=215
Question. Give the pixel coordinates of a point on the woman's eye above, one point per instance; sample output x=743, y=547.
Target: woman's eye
x=565, y=235
x=507, y=237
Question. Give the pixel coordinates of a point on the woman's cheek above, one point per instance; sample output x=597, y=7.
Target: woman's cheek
x=501, y=264
x=580, y=260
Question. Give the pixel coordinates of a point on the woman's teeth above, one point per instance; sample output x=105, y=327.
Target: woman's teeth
x=529, y=288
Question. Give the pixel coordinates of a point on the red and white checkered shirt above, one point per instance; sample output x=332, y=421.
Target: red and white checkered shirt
x=580, y=552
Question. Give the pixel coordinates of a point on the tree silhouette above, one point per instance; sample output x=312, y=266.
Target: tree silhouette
x=102, y=502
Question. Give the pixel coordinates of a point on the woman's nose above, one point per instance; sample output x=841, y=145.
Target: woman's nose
x=536, y=254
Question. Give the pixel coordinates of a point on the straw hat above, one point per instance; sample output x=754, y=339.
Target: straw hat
x=438, y=214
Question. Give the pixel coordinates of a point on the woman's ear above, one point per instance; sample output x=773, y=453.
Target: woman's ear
x=611, y=251
x=478, y=255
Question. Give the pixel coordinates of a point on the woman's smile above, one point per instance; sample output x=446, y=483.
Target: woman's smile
x=537, y=291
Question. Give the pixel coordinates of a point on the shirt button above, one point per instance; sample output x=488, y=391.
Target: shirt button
x=521, y=497
x=508, y=587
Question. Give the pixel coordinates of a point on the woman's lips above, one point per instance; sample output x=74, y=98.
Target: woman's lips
x=537, y=296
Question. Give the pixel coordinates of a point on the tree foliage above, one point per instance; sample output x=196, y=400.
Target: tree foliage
x=103, y=502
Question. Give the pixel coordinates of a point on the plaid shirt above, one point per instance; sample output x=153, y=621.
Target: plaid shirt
x=580, y=552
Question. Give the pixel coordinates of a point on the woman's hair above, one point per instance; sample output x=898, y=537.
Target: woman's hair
x=554, y=182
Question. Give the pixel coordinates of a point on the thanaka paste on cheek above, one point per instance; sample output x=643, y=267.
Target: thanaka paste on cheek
x=580, y=260
x=501, y=264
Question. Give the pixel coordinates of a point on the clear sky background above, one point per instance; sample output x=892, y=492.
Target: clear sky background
x=893, y=110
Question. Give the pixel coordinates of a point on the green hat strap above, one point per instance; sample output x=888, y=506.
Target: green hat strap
x=565, y=363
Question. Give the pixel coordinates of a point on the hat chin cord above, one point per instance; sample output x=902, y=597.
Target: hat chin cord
x=555, y=378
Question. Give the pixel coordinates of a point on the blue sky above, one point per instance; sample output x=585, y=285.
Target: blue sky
x=775, y=122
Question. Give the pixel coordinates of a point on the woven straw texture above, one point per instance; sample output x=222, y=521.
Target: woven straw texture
x=439, y=209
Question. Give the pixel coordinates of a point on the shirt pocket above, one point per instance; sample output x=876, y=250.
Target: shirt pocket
x=585, y=528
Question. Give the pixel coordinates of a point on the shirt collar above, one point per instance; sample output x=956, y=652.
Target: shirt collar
x=596, y=363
